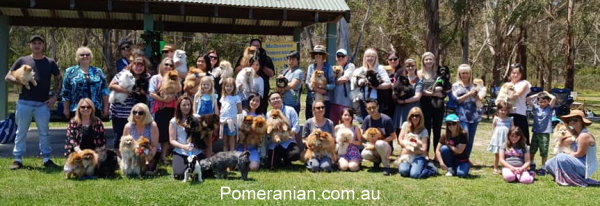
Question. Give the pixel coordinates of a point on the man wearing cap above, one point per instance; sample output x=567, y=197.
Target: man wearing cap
x=35, y=102
x=294, y=75
x=125, y=51
x=341, y=92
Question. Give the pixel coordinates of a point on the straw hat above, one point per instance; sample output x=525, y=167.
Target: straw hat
x=319, y=49
x=576, y=113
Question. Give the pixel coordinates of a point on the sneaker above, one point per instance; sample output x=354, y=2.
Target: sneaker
x=16, y=165
x=50, y=165
x=387, y=171
x=532, y=166
x=448, y=174
x=541, y=172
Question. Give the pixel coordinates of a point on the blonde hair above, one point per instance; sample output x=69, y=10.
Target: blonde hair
x=228, y=80
x=464, y=68
x=77, y=118
x=422, y=72
x=82, y=50
x=408, y=61
x=368, y=52
x=416, y=129
x=161, y=66
x=141, y=106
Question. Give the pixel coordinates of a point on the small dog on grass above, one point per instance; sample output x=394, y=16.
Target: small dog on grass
x=108, y=163
x=192, y=169
x=143, y=152
x=130, y=161
x=223, y=160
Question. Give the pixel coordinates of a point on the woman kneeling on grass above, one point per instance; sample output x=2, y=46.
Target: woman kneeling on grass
x=85, y=130
x=451, y=152
x=178, y=138
x=413, y=162
x=576, y=168
x=515, y=158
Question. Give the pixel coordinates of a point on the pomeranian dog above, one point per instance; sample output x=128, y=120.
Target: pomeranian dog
x=244, y=81
x=192, y=80
x=318, y=80
x=126, y=81
x=143, y=152
x=201, y=128
x=343, y=139
x=74, y=166
x=140, y=90
x=259, y=129
x=90, y=161
x=130, y=162
x=170, y=86
x=108, y=163
x=281, y=82
x=278, y=126
x=481, y=91
x=338, y=71
x=371, y=136
x=563, y=139
x=224, y=71
x=411, y=143
x=24, y=75
x=319, y=144
x=245, y=128
x=402, y=89
x=506, y=92
x=180, y=58
x=249, y=53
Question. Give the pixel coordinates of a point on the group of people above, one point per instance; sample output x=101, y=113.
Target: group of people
x=370, y=93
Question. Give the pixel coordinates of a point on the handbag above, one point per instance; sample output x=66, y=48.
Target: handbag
x=8, y=130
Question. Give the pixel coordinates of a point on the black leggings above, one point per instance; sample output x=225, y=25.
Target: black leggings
x=433, y=120
x=281, y=156
x=118, y=125
x=521, y=122
x=162, y=118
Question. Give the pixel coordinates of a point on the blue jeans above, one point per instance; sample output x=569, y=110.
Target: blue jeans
x=460, y=169
x=414, y=169
x=471, y=128
x=25, y=111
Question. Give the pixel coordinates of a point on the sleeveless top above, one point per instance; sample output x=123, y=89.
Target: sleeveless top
x=206, y=105
x=590, y=160
x=147, y=132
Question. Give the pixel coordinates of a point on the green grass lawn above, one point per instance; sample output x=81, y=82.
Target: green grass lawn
x=37, y=186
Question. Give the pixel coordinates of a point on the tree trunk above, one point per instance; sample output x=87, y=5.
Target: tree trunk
x=522, y=49
x=464, y=42
x=107, y=51
x=570, y=64
x=433, y=31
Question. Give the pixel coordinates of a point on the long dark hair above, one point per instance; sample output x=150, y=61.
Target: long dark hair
x=444, y=138
x=179, y=118
x=520, y=144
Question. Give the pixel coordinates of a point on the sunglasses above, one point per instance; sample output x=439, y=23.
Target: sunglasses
x=165, y=51
x=275, y=98
x=410, y=65
x=125, y=47
x=393, y=59
x=341, y=56
x=320, y=108
x=85, y=108
x=168, y=65
x=574, y=119
x=85, y=55
x=451, y=123
x=413, y=116
x=139, y=113
x=213, y=57
x=372, y=108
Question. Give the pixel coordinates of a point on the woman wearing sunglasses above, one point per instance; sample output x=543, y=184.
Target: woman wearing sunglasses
x=141, y=124
x=451, y=150
x=163, y=107
x=318, y=121
x=85, y=130
x=577, y=167
x=84, y=81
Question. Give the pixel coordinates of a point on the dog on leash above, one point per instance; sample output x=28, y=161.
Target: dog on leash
x=24, y=75
x=220, y=162
x=563, y=139
x=127, y=82
x=343, y=138
x=192, y=169
x=130, y=161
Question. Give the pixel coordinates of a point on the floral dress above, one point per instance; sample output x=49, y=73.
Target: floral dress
x=86, y=137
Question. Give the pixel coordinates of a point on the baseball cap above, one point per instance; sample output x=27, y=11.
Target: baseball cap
x=342, y=51
x=38, y=37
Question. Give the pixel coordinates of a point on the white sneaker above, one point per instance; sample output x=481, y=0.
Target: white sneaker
x=448, y=174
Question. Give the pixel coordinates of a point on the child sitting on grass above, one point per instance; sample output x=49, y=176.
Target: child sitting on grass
x=515, y=158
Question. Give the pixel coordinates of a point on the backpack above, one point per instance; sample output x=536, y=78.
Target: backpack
x=8, y=130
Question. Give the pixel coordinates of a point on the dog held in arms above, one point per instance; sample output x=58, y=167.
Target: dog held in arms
x=318, y=80
x=563, y=139
x=170, y=85
x=320, y=146
x=371, y=136
x=343, y=138
x=24, y=75
x=412, y=143
x=278, y=126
